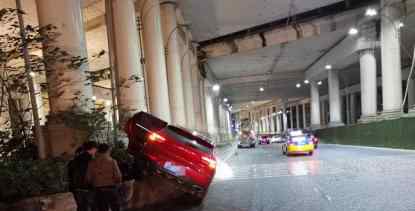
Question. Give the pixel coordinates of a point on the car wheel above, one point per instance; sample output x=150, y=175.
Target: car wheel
x=197, y=199
x=310, y=153
x=316, y=146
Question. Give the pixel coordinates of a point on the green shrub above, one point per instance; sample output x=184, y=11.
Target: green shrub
x=21, y=179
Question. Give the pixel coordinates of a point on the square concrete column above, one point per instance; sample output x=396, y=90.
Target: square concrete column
x=391, y=57
x=155, y=62
x=315, y=106
x=334, y=99
x=131, y=96
x=353, y=108
x=368, y=84
x=173, y=60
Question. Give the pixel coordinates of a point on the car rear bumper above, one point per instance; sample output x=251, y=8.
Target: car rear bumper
x=192, y=178
x=304, y=149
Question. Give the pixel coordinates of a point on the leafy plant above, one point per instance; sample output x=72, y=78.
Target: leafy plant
x=29, y=178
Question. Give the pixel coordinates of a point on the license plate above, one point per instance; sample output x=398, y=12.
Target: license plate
x=174, y=169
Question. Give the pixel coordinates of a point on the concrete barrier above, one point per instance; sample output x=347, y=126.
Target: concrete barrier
x=398, y=133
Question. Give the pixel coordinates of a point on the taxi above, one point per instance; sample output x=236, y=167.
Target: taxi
x=297, y=142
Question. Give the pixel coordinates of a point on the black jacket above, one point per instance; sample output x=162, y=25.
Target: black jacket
x=77, y=169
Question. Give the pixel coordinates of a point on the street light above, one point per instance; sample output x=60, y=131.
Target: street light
x=216, y=87
x=370, y=12
x=261, y=89
x=298, y=85
x=225, y=100
x=306, y=81
x=353, y=31
x=320, y=83
x=328, y=67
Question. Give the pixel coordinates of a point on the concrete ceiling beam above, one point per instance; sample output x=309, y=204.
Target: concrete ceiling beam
x=282, y=34
x=278, y=77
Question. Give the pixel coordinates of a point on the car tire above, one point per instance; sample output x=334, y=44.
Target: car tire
x=197, y=199
x=310, y=153
x=316, y=146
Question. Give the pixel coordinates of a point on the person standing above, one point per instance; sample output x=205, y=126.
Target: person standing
x=104, y=174
x=77, y=170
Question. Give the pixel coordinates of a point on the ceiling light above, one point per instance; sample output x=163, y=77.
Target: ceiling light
x=94, y=98
x=401, y=24
x=216, y=87
x=32, y=74
x=225, y=100
x=298, y=85
x=261, y=89
x=320, y=83
x=328, y=67
x=306, y=81
x=371, y=12
x=353, y=31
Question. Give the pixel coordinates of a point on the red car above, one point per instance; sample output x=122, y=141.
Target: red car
x=173, y=152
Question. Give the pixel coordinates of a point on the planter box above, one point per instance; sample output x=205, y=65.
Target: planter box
x=56, y=202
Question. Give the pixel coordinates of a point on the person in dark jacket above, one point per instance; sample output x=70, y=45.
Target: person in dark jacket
x=105, y=175
x=77, y=170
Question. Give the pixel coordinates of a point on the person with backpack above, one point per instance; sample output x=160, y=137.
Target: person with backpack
x=77, y=170
x=105, y=176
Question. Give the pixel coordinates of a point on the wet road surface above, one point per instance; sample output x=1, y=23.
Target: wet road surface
x=335, y=178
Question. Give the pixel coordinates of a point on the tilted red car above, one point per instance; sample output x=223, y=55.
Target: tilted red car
x=173, y=151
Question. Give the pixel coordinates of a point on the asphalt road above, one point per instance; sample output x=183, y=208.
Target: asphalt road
x=335, y=178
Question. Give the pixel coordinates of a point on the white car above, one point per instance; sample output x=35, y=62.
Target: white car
x=276, y=139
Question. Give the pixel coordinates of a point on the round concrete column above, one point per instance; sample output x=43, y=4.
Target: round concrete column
x=68, y=88
x=304, y=116
x=197, y=101
x=297, y=113
x=131, y=94
x=173, y=60
x=368, y=83
x=315, y=105
x=187, y=87
x=334, y=98
x=155, y=62
x=391, y=58
x=66, y=85
x=411, y=96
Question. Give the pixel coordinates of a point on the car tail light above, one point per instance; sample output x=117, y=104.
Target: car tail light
x=156, y=137
x=210, y=162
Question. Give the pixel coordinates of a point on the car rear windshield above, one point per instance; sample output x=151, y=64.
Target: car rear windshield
x=296, y=133
x=186, y=138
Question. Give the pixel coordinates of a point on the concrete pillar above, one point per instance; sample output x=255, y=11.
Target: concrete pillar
x=353, y=108
x=66, y=85
x=304, y=116
x=368, y=83
x=204, y=92
x=197, y=101
x=213, y=117
x=131, y=96
x=187, y=88
x=347, y=108
x=334, y=99
x=298, y=115
x=291, y=117
x=39, y=100
x=68, y=89
x=391, y=57
x=155, y=62
x=315, y=105
x=284, y=118
x=279, y=128
x=173, y=61
x=411, y=96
